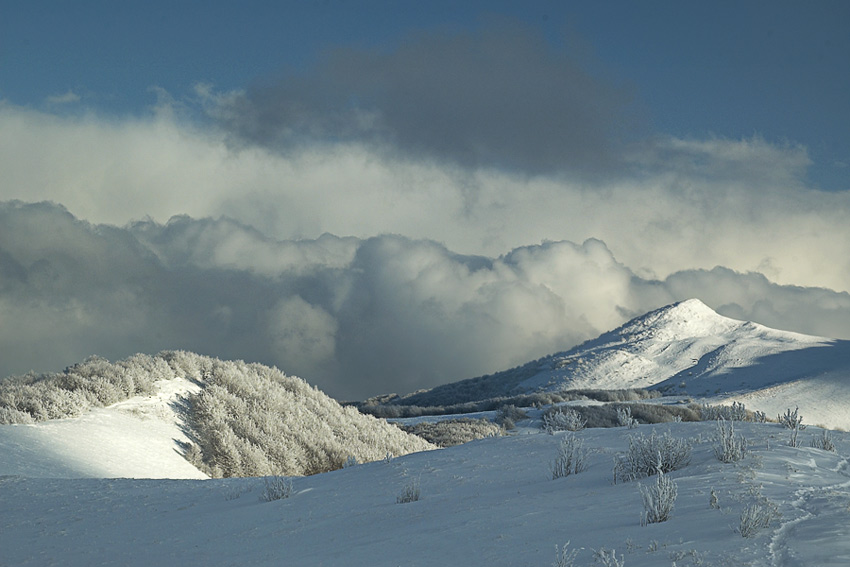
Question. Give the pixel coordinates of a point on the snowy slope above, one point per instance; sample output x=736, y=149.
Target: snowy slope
x=137, y=438
x=487, y=503
x=248, y=419
x=688, y=349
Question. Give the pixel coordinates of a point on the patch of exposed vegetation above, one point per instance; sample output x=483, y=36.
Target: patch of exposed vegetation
x=452, y=432
x=392, y=406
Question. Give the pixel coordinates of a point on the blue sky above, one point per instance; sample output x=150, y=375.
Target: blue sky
x=383, y=196
x=729, y=69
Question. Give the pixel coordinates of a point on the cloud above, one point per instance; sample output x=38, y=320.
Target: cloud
x=725, y=161
x=499, y=96
x=356, y=317
x=695, y=204
x=69, y=97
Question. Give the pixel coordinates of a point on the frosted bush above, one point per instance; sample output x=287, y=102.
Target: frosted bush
x=712, y=500
x=608, y=558
x=11, y=415
x=729, y=448
x=756, y=517
x=565, y=557
x=625, y=419
x=253, y=420
x=571, y=457
x=276, y=488
x=823, y=442
x=508, y=415
x=563, y=420
x=410, y=493
x=450, y=432
x=791, y=420
x=735, y=412
x=658, y=500
x=649, y=454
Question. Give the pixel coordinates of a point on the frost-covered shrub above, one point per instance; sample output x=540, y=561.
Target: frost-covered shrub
x=410, y=493
x=95, y=382
x=571, y=457
x=791, y=420
x=729, y=448
x=253, y=420
x=757, y=516
x=735, y=412
x=647, y=455
x=606, y=415
x=450, y=432
x=508, y=415
x=565, y=557
x=823, y=442
x=276, y=488
x=608, y=558
x=794, y=422
x=712, y=500
x=624, y=417
x=559, y=419
x=350, y=461
x=658, y=499
x=11, y=415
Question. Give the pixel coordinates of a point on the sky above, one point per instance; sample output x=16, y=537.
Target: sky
x=387, y=196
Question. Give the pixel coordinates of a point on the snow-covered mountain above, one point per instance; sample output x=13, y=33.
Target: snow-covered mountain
x=687, y=349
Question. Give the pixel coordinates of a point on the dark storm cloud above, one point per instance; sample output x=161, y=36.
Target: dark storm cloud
x=498, y=97
x=355, y=317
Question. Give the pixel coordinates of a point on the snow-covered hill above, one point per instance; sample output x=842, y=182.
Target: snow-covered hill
x=688, y=349
x=230, y=418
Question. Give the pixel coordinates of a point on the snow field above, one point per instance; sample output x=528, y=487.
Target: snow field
x=490, y=502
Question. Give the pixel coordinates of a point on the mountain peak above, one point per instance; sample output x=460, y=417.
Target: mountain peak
x=685, y=319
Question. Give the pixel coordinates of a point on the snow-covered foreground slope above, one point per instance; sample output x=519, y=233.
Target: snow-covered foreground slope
x=687, y=348
x=137, y=438
x=490, y=503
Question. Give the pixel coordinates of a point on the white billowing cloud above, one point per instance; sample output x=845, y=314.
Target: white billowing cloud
x=356, y=317
x=682, y=205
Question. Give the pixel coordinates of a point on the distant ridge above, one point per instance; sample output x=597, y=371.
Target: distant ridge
x=686, y=349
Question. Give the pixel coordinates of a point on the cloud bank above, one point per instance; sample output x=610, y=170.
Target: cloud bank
x=698, y=203
x=356, y=317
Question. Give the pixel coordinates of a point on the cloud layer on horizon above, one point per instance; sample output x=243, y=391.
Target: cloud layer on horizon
x=699, y=203
x=355, y=317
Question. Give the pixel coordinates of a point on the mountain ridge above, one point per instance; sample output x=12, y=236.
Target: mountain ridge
x=685, y=349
